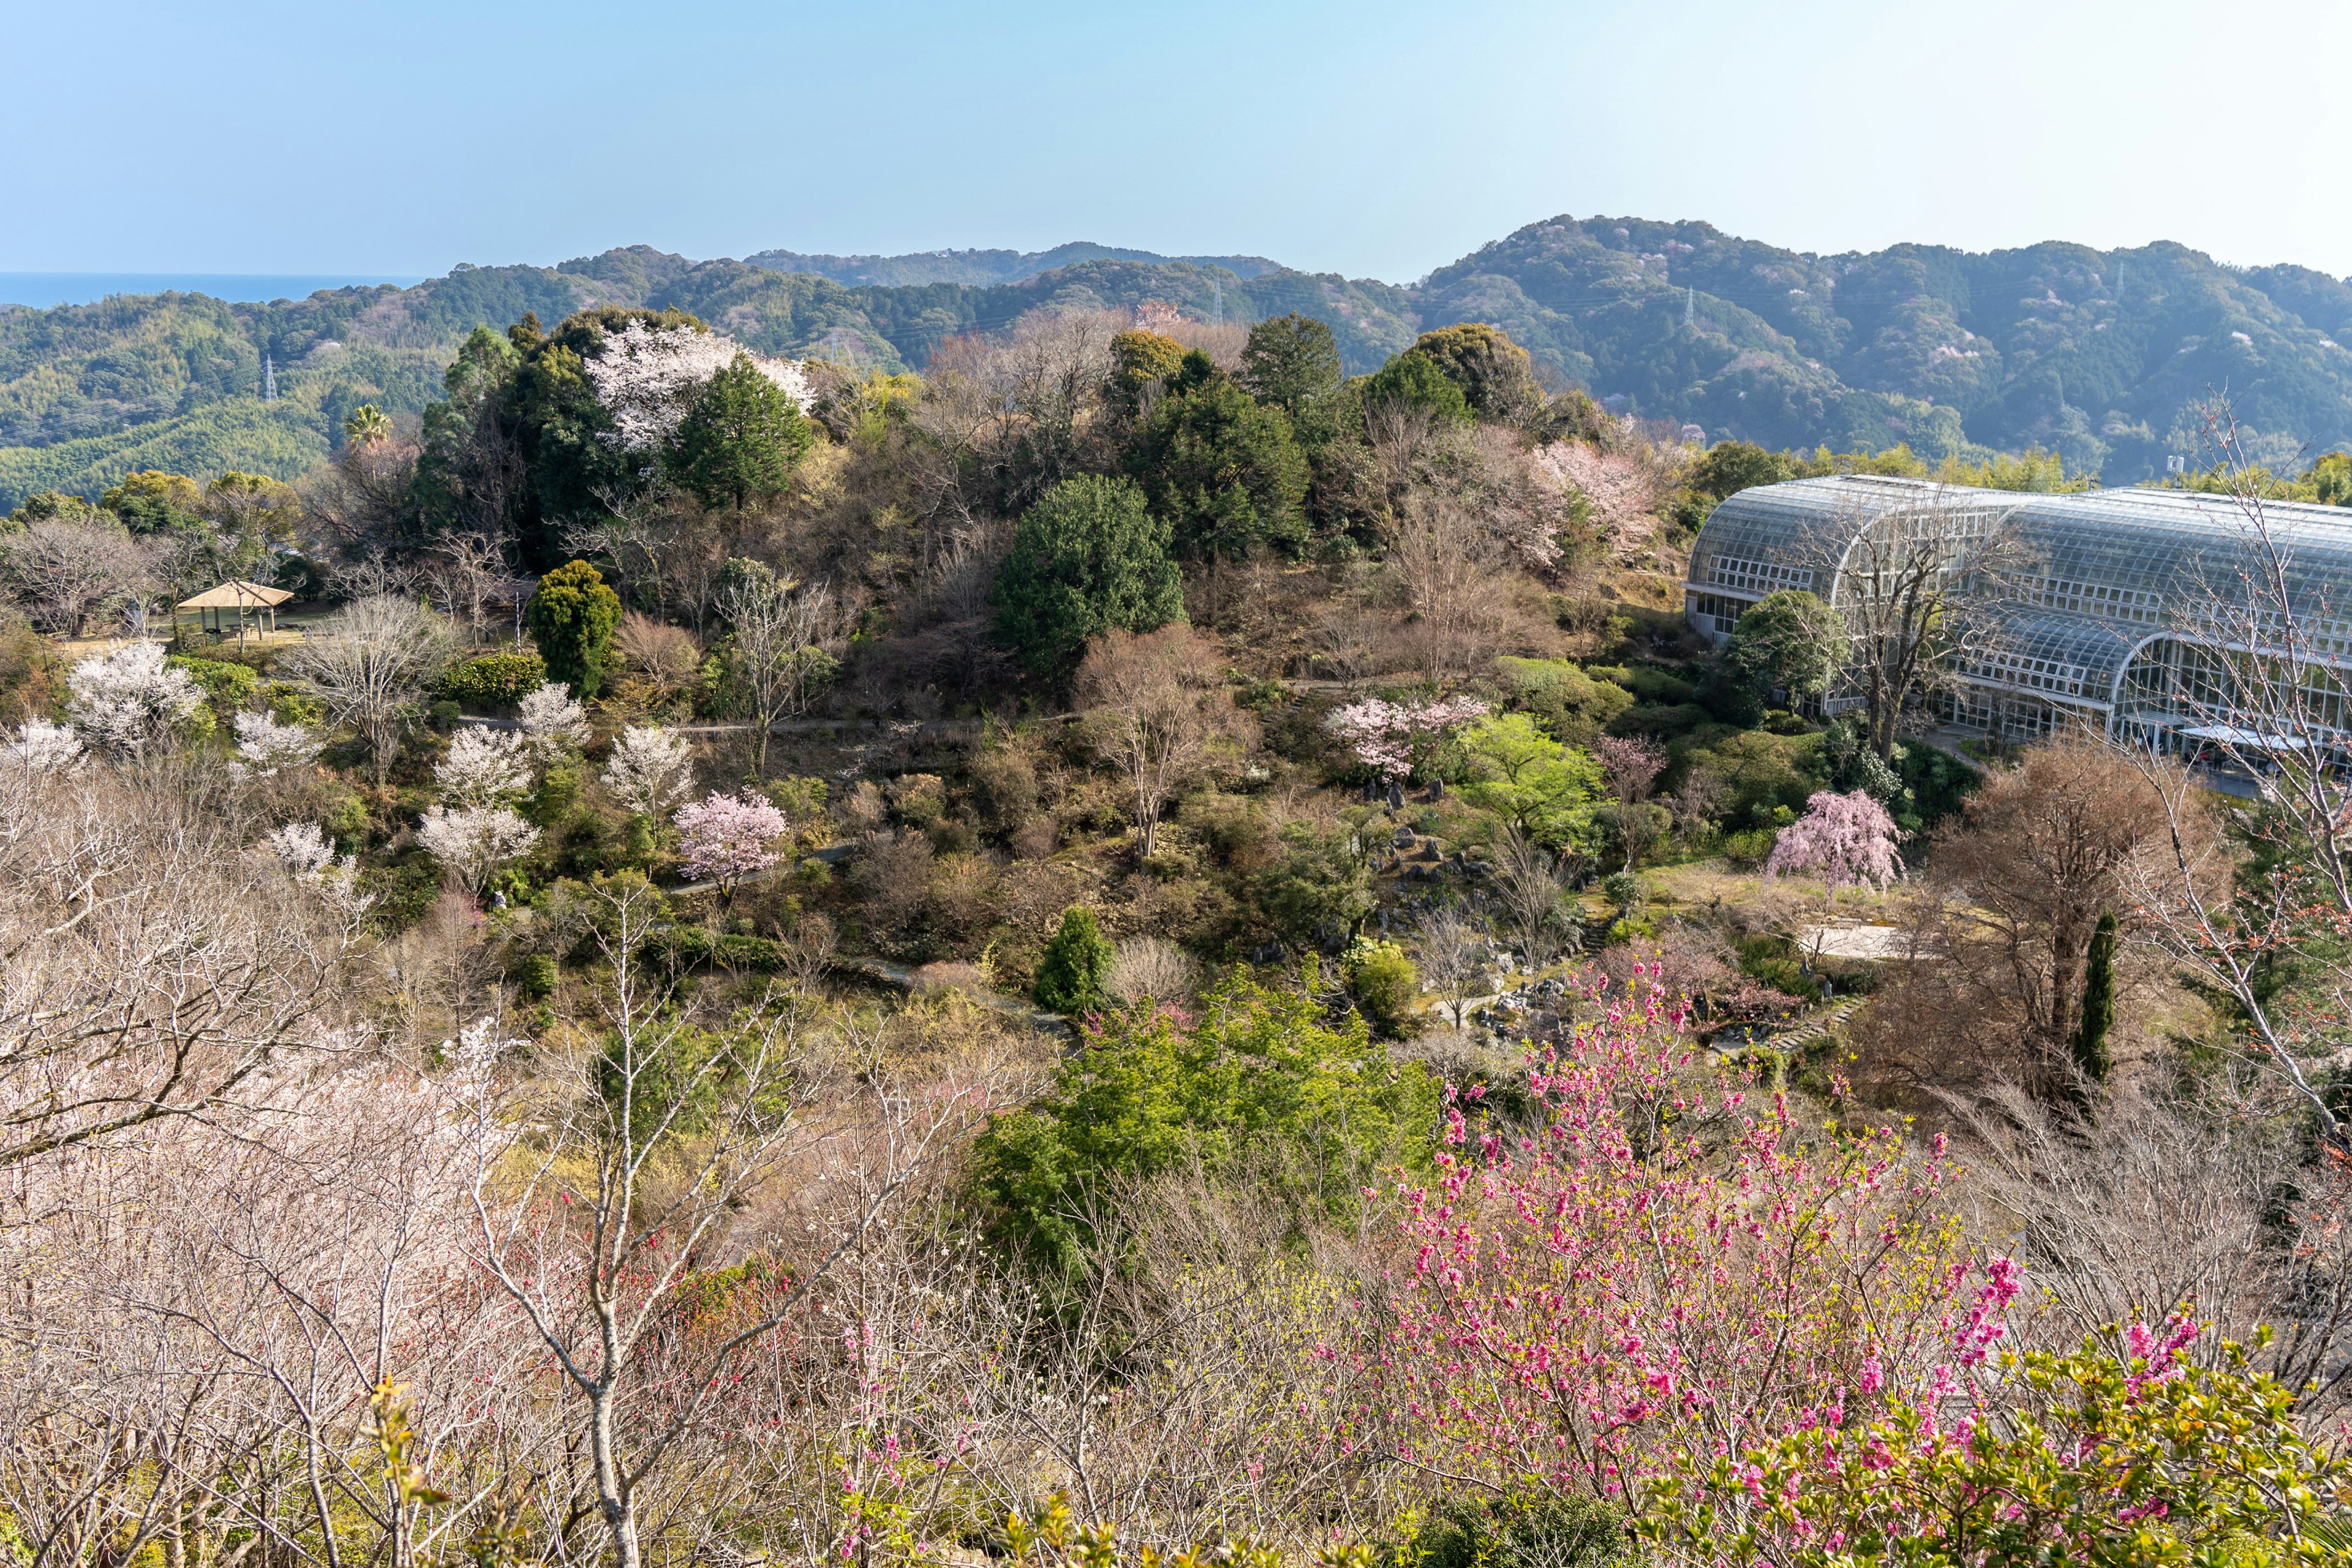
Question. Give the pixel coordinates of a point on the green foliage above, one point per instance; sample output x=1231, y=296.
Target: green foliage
x=1729, y=466
x=1570, y=704
x=494, y=679
x=741, y=440
x=535, y=977
x=1320, y=889
x=1528, y=779
x=1259, y=1074
x=1788, y=641
x=1497, y=379
x=31, y=675
x=1625, y=889
x=1224, y=469
x=1413, y=380
x=1088, y=556
x=1138, y=359
x=1517, y=1533
x=1292, y=361
x=1384, y=984
x=2093, y=1057
x=1077, y=962
x=2098, y=1463
x=228, y=687
x=572, y=616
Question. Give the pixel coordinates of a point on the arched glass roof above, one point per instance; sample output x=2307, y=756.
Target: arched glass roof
x=2070, y=658
x=1791, y=535
x=2174, y=545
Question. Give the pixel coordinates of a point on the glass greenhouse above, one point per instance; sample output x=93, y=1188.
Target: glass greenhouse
x=2149, y=612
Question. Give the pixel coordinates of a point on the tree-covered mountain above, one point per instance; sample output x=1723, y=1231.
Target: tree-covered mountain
x=2097, y=355
x=983, y=266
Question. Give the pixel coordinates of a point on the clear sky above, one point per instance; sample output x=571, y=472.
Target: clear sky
x=1364, y=137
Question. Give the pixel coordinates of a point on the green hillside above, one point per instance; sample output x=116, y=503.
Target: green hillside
x=2096, y=354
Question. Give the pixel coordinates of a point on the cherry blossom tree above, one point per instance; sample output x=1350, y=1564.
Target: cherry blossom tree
x=1674, y=1259
x=725, y=838
x=651, y=770
x=1393, y=739
x=482, y=768
x=551, y=724
x=126, y=699
x=647, y=378
x=265, y=746
x=1848, y=839
x=472, y=841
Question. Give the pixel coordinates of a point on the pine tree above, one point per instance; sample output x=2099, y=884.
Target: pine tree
x=2091, y=1057
x=1077, y=962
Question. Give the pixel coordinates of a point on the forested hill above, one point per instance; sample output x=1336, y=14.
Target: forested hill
x=2097, y=353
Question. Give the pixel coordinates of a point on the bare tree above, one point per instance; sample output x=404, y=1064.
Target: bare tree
x=657, y=1136
x=1450, y=568
x=1918, y=585
x=63, y=571
x=149, y=969
x=1529, y=884
x=1154, y=967
x=1454, y=952
x=2251, y=663
x=1160, y=706
x=780, y=632
x=467, y=575
x=2161, y=1205
x=369, y=663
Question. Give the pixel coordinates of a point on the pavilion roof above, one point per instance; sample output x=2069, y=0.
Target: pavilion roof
x=237, y=594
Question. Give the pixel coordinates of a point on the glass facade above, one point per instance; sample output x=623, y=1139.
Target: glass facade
x=2130, y=609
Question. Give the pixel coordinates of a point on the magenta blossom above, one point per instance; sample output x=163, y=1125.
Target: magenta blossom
x=1846, y=838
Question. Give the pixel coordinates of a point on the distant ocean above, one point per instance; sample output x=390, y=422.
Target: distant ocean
x=45, y=288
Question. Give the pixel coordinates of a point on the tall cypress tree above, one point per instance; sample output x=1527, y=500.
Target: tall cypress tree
x=2091, y=1057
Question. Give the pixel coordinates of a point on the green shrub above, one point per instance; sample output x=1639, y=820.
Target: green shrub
x=1571, y=703
x=1660, y=724
x=1320, y=1113
x=227, y=686
x=1626, y=890
x=1077, y=962
x=494, y=679
x=571, y=615
x=1646, y=682
x=1497, y=1532
x=1749, y=847
x=535, y=977
x=1383, y=982
x=444, y=716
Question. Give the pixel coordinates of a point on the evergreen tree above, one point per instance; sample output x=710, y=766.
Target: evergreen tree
x=1292, y=362
x=1088, y=556
x=2092, y=1059
x=1224, y=471
x=1417, y=381
x=741, y=439
x=1071, y=975
x=572, y=617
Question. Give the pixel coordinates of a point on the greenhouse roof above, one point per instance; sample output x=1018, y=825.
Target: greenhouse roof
x=2067, y=657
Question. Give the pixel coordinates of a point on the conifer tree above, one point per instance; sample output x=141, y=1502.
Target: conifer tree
x=2091, y=1057
x=1071, y=977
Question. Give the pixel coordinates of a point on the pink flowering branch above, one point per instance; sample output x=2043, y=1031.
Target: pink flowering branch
x=1395, y=738
x=1845, y=839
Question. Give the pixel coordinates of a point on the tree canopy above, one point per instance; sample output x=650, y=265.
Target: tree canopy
x=1088, y=556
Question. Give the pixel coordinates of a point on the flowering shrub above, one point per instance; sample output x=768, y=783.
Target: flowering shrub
x=1393, y=739
x=126, y=699
x=482, y=768
x=724, y=838
x=474, y=841
x=2085, y=1458
x=552, y=722
x=651, y=771
x=1672, y=1261
x=1846, y=838
x=264, y=745
x=647, y=378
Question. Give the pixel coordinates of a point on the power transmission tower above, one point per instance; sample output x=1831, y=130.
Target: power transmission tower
x=1690, y=308
x=268, y=380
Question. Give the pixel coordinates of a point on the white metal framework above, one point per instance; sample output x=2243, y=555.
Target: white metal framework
x=2118, y=608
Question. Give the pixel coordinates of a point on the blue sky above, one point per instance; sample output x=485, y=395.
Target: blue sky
x=1367, y=138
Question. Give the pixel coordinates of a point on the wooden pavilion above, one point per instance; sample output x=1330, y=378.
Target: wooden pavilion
x=234, y=594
